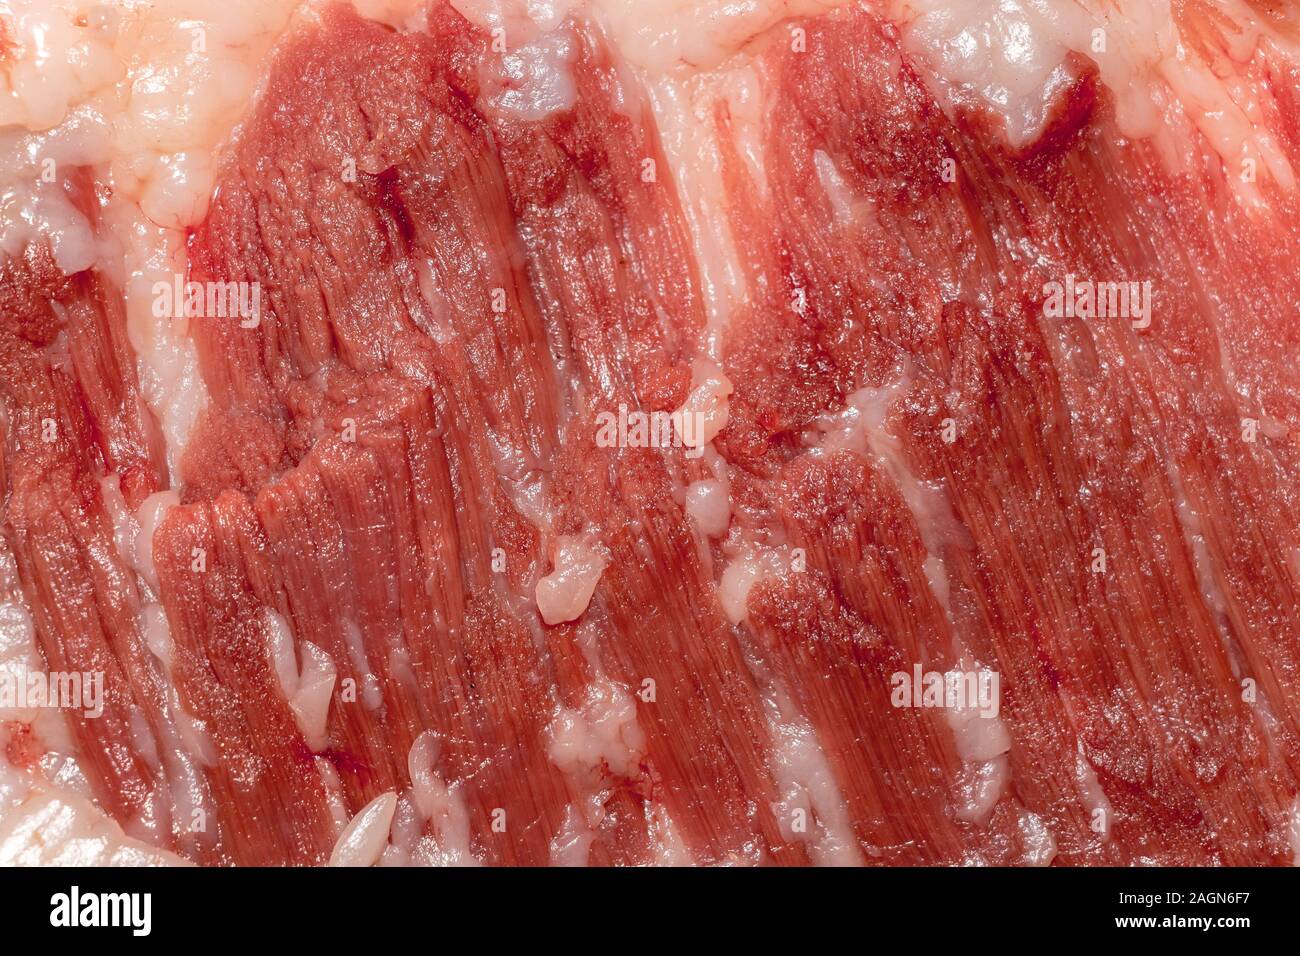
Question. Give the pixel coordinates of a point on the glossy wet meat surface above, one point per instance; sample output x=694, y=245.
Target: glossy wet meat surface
x=923, y=468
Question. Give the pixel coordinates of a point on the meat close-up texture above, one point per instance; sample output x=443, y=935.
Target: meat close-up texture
x=624, y=432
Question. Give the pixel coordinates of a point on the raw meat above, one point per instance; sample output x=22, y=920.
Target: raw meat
x=586, y=433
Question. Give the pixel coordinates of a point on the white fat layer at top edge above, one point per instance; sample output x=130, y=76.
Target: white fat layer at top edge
x=1010, y=57
x=662, y=37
